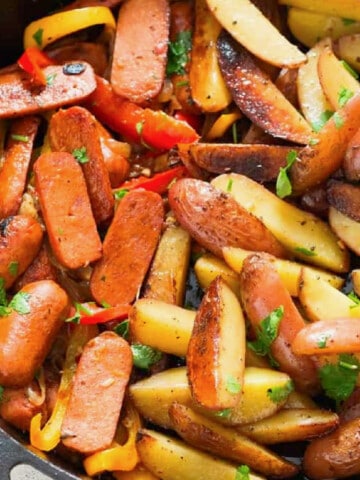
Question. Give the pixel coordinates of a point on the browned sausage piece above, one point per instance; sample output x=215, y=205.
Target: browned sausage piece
x=128, y=248
x=17, y=158
x=26, y=338
x=75, y=130
x=351, y=163
x=345, y=198
x=99, y=385
x=336, y=455
x=20, y=97
x=66, y=209
x=20, y=242
x=215, y=220
x=140, y=50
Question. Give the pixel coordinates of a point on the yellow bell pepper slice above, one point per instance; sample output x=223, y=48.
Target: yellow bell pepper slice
x=49, y=29
x=221, y=124
x=118, y=457
x=48, y=438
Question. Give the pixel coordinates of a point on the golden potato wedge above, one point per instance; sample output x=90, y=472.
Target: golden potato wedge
x=347, y=48
x=345, y=197
x=205, y=434
x=168, y=271
x=302, y=233
x=259, y=162
x=321, y=301
x=153, y=396
x=289, y=271
x=347, y=229
x=215, y=220
x=313, y=102
x=338, y=84
x=208, y=88
x=355, y=278
x=310, y=27
x=316, y=163
x=208, y=267
x=239, y=18
x=257, y=96
x=291, y=425
x=298, y=400
x=349, y=9
x=139, y=473
x=161, y=325
x=221, y=125
x=172, y=459
x=216, y=352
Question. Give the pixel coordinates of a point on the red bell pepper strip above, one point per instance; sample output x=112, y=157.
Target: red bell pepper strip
x=120, y=312
x=158, y=183
x=142, y=125
x=32, y=61
x=194, y=121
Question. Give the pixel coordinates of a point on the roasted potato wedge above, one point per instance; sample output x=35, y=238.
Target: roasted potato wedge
x=298, y=400
x=300, y=232
x=344, y=9
x=264, y=41
x=345, y=198
x=291, y=425
x=167, y=276
x=216, y=351
x=259, y=162
x=221, y=125
x=215, y=220
x=257, y=96
x=226, y=442
x=172, y=459
x=347, y=47
x=208, y=88
x=351, y=163
x=208, y=267
x=347, y=229
x=289, y=271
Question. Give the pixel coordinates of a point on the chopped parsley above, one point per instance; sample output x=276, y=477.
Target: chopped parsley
x=339, y=380
x=20, y=138
x=232, y=385
x=242, y=473
x=324, y=117
x=348, y=21
x=321, y=343
x=144, y=356
x=119, y=194
x=344, y=96
x=229, y=185
x=1, y=393
x=50, y=79
x=4, y=310
x=13, y=268
x=313, y=141
x=178, y=53
x=79, y=309
x=234, y=133
x=105, y=304
x=38, y=36
x=139, y=127
x=80, y=154
x=266, y=333
x=123, y=329
x=306, y=251
x=352, y=296
x=20, y=303
x=338, y=120
x=184, y=83
x=224, y=413
x=279, y=394
x=283, y=184
x=350, y=69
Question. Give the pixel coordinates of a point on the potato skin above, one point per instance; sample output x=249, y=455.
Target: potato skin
x=345, y=198
x=336, y=455
x=215, y=220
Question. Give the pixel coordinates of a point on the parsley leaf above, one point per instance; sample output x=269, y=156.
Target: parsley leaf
x=283, y=184
x=38, y=35
x=266, y=333
x=123, y=329
x=50, y=79
x=229, y=185
x=313, y=141
x=4, y=309
x=13, y=268
x=80, y=154
x=224, y=413
x=178, y=53
x=350, y=69
x=321, y=343
x=232, y=385
x=1, y=393
x=352, y=295
x=324, y=117
x=338, y=120
x=348, y=21
x=20, y=138
x=242, y=473
x=79, y=309
x=339, y=380
x=279, y=394
x=139, y=127
x=119, y=194
x=306, y=251
x=20, y=303
x=344, y=96
x=144, y=356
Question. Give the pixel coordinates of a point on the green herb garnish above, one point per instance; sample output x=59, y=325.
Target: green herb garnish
x=13, y=268
x=123, y=329
x=178, y=53
x=232, y=385
x=352, y=295
x=242, y=473
x=229, y=185
x=344, y=96
x=50, y=79
x=144, y=356
x=321, y=343
x=80, y=154
x=348, y=21
x=283, y=184
x=38, y=35
x=306, y=251
x=20, y=303
x=119, y=194
x=279, y=394
x=350, y=69
x=338, y=120
x=324, y=117
x=20, y=138
x=223, y=413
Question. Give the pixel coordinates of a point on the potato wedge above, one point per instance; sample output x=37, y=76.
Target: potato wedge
x=291, y=425
x=221, y=125
x=335, y=79
x=216, y=352
x=289, y=271
x=347, y=47
x=139, y=473
x=310, y=27
x=322, y=301
x=351, y=163
x=300, y=232
x=208, y=88
x=347, y=229
x=343, y=9
x=161, y=325
x=167, y=276
x=208, y=267
x=313, y=102
x=298, y=400
x=259, y=162
x=153, y=396
x=172, y=459
x=345, y=198
x=215, y=220
x=355, y=278
x=257, y=96
x=264, y=41
x=317, y=162
x=205, y=434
